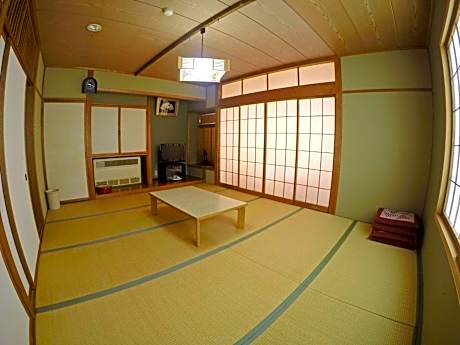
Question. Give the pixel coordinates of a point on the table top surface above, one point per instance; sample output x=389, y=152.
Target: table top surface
x=197, y=202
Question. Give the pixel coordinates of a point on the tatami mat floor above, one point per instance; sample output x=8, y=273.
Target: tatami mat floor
x=111, y=273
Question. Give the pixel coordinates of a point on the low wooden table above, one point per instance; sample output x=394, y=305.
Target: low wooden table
x=199, y=204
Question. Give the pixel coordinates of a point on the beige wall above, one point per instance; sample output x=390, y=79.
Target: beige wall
x=441, y=311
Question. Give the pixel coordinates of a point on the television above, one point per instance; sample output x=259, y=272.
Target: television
x=171, y=152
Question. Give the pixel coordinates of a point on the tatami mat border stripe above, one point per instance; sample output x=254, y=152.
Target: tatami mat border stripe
x=280, y=309
x=97, y=214
x=122, y=235
x=159, y=274
x=115, y=237
x=417, y=336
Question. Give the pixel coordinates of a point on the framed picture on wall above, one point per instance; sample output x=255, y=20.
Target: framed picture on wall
x=167, y=107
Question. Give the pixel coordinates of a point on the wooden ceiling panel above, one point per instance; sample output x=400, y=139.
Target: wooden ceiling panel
x=263, y=34
x=238, y=65
x=373, y=20
x=247, y=30
x=411, y=18
x=279, y=19
x=331, y=22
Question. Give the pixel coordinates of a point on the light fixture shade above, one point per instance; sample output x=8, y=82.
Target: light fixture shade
x=202, y=69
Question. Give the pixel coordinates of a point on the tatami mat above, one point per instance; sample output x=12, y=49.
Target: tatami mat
x=373, y=276
x=98, y=206
x=84, y=230
x=317, y=319
x=211, y=302
x=210, y=187
x=156, y=287
x=75, y=272
x=79, y=231
x=295, y=247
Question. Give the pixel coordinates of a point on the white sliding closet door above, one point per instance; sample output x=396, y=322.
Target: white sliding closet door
x=104, y=129
x=133, y=123
x=16, y=164
x=14, y=322
x=64, y=135
x=4, y=215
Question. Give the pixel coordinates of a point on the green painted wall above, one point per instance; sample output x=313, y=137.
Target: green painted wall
x=388, y=70
x=63, y=83
x=168, y=129
x=386, y=145
x=386, y=136
x=118, y=98
x=441, y=310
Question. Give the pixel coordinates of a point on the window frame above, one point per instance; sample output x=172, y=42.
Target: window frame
x=448, y=235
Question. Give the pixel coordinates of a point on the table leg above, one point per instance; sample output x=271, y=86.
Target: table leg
x=241, y=217
x=153, y=204
x=197, y=234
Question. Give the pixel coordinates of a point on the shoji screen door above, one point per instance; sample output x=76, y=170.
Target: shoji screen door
x=315, y=150
x=16, y=163
x=251, y=158
x=298, y=141
x=281, y=148
x=229, y=143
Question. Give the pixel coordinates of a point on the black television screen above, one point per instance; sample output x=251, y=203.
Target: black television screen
x=172, y=152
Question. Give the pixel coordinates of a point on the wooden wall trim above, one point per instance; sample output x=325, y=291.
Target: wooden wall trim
x=31, y=161
x=295, y=92
x=4, y=11
x=415, y=89
x=337, y=140
x=149, y=159
x=3, y=173
x=89, y=146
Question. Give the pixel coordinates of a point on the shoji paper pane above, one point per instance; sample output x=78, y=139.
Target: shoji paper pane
x=315, y=150
x=316, y=74
x=255, y=84
x=281, y=148
x=286, y=78
x=252, y=146
x=229, y=143
x=452, y=199
x=231, y=89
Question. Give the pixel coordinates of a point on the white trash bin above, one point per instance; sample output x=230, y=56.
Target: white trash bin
x=54, y=202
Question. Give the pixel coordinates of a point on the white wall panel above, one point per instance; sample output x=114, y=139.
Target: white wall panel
x=104, y=129
x=16, y=164
x=133, y=130
x=64, y=137
x=14, y=322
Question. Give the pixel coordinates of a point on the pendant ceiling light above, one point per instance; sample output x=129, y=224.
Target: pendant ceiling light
x=202, y=69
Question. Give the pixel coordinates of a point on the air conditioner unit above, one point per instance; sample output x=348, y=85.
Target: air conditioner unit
x=117, y=171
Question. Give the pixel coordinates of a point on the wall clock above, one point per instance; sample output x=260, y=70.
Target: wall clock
x=89, y=85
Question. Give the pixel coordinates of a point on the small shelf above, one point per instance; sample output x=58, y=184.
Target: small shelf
x=115, y=155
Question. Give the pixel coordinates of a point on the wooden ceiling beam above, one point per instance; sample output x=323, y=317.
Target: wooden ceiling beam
x=235, y=7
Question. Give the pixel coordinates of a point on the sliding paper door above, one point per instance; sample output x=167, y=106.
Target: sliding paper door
x=281, y=148
x=316, y=150
x=292, y=141
x=15, y=160
x=229, y=144
x=251, y=158
x=64, y=136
